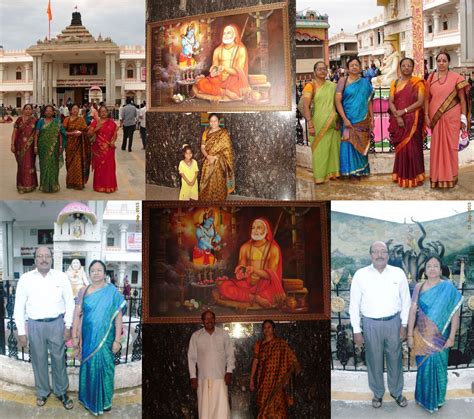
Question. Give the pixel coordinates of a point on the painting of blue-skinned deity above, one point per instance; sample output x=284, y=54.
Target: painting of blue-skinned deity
x=235, y=60
x=243, y=262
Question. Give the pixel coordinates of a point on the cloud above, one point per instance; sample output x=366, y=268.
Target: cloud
x=23, y=22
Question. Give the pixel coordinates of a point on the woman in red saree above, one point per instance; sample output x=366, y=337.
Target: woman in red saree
x=78, y=150
x=22, y=146
x=274, y=364
x=446, y=111
x=406, y=126
x=103, y=152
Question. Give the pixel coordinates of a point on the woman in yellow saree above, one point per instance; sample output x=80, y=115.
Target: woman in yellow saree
x=323, y=135
x=217, y=175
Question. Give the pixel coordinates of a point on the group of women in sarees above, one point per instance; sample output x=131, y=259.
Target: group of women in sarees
x=340, y=121
x=84, y=147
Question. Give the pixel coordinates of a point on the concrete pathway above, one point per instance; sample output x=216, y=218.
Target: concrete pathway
x=130, y=174
x=20, y=402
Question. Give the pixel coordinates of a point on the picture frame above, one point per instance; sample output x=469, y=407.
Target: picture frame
x=188, y=61
x=289, y=279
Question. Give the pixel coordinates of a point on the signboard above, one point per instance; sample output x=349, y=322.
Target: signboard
x=84, y=82
x=30, y=251
x=83, y=69
x=134, y=242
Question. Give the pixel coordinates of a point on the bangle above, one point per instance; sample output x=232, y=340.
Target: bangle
x=406, y=110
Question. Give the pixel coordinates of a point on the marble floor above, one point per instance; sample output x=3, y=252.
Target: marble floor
x=130, y=174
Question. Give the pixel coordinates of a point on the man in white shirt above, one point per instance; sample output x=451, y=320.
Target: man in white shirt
x=380, y=296
x=142, y=119
x=211, y=349
x=45, y=296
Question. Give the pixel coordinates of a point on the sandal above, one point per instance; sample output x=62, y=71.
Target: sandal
x=66, y=401
x=400, y=400
x=41, y=401
x=376, y=402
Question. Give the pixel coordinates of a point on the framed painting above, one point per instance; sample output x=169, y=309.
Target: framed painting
x=234, y=60
x=247, y=261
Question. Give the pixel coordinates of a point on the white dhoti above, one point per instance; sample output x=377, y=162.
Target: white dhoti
x=213, y=399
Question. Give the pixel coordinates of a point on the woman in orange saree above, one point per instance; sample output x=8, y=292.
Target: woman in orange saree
x=406, y=126
x=78, y=150
x=274, y=363
x=22, y=146
x=103, y=152
x=217, y=175
x=446, y=111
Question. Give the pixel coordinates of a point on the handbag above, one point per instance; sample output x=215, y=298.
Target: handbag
x=463, y=140
x=311, y=105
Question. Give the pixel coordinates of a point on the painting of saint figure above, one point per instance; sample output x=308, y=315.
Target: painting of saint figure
x=243, y=262
x=221, y=61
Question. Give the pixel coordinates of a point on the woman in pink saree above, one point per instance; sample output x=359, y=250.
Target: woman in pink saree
x=446, y=112
x=103, y=152
x=22, y=146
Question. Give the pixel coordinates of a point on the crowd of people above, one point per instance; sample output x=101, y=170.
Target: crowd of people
x=340, y=120
x=92, y=321
x=81, y=136
x=217, y=171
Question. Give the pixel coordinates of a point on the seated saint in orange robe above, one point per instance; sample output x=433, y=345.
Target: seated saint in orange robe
x=228, y=75
x=259, y=273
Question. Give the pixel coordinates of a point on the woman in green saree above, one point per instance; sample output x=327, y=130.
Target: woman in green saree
x=323, y=135
x=96, y=334
x=50, y=140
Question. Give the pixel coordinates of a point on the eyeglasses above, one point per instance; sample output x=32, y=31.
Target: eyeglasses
x=379, y=252
x=47, y=257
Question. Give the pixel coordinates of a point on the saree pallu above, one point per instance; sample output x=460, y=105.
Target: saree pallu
x=96, y=377
x=26, y=179
x=326, y=142
x=103, y=157
x=436, y=307
x=217, y=179
x=78, y=154
x=355, y=142
x=276, y=364
x=49, y=137
x=409, y=165
x=445, y=114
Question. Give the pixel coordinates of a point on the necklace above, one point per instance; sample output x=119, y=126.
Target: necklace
x=445, y=78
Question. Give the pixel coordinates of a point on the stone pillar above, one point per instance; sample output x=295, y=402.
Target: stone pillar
x=458, y=54
x=107, y=77
x=2, y=98
x=26, y=96
x=1, y=73
x=139, y=97
x=123, y=237
x=426, y=22
x=39, y=80
x=123, y=64
x=467, y=32
x=326, y=51
x=47, y=99
x=104, y=230
x=416, y=38
x=50, y=82
x=111, y=96
x=436, y=17
x=35, y=87
x=138, y=67
x=27, y=68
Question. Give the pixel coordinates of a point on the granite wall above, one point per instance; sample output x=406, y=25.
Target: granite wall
x=166, y=386
x=264, y=142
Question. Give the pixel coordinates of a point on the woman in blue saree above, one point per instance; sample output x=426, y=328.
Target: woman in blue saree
x=432, y=326
x=96, y=335
x=354, y=105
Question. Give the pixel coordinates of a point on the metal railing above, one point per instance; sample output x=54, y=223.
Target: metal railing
x=377, y=145
x=346, y=356
x=131, y=328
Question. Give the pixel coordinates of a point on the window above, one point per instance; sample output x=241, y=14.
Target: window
x=379, y=38
x=134, y=277
x=360, y=43
x=18, y=75
x=18, y=102
x=430, y=28
x=371, y=40
x=110, y=241
x=445, y=25
x=130, y=73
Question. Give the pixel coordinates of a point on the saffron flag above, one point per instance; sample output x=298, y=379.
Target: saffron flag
x=48, y=11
